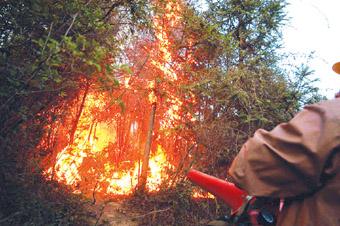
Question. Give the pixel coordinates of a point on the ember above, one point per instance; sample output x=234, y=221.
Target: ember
x=200, y=194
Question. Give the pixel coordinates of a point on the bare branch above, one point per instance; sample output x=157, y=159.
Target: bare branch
x=152, y=212
x=113, y=6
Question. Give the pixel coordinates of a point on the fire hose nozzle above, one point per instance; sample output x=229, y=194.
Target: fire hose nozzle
x=228, y=192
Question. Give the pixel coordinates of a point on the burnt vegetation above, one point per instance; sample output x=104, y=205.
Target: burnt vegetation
x=154, y=78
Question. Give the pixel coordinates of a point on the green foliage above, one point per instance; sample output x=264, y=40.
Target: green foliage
x=251, y=27
x=234, y=105
x=303, y=91
x=47, y=204
x=242, y=86
x=49, y=52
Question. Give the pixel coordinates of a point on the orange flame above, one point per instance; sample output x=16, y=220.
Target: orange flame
x=124, y=183
x=199, y=194
x=152, y=95
x=70, y=160
x=93, y=161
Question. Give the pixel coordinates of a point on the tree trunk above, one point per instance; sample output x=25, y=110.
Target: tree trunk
x=145, y=163
x=75, y=123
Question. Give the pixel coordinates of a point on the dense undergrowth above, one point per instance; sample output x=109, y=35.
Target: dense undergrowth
x=177, y=207
x=37, y=202
x=52, y=51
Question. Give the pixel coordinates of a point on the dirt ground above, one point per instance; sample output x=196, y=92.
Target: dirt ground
x=114, y=214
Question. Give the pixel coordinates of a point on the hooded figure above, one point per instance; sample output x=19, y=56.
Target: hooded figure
x=298, y=161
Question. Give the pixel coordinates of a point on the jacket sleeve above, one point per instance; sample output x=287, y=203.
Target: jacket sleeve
x=289, y=160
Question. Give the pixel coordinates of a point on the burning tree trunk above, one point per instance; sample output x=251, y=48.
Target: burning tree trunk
x=75, y=124
x=124, y=131
x=145, y=163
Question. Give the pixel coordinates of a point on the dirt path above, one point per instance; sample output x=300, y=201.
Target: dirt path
x=114, y=214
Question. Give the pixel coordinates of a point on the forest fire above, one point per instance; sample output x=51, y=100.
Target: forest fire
x=107, y=106
x=89, y=158
x=102, y=153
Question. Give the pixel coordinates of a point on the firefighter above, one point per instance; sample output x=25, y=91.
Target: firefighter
x=299, y=162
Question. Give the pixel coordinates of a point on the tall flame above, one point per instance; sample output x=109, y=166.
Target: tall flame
x=69, y=167
x=105, y=155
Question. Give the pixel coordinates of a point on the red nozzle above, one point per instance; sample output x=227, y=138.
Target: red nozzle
x=227, y=191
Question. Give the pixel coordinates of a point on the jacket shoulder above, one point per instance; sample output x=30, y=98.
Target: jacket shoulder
x=328, y=108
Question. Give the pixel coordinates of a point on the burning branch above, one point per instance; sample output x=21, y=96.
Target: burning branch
x=145, y=163
x=111, y=149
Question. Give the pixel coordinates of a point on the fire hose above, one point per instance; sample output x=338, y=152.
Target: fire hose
x=245, y=210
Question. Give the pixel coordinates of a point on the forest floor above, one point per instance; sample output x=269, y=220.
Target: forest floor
x=114, y=213
x=161, y=209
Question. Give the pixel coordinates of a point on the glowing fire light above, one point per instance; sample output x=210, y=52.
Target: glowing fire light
x=198, y=194
x=152, y=96
x=124, y=183
x=70, y=160
x=93, y=162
